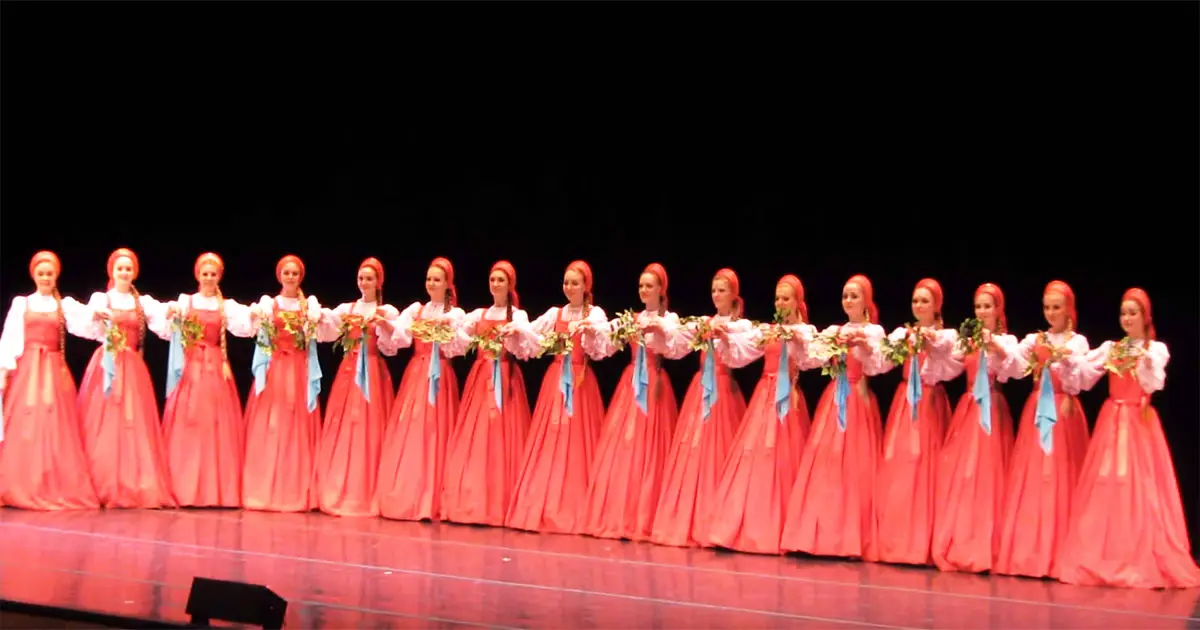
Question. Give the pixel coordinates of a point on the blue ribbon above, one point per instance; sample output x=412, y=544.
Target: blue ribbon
x=175, y=360
x=566, y=385
x=497, y=384
x=435, y=371
x=1046, y=416
x=314, y=375
x=914, y=384
x=261, y=361
x=708, y=381
x=361, y=372
x=841, y=395
x=641, y=377
x=783, y=385
x=108, y=362
x=982, y=391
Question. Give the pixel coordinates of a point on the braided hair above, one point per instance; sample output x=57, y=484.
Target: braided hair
x=141, y=316
x=62, y=324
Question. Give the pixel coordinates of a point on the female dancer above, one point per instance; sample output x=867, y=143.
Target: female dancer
x=414, y=445
x=283, y=416
x=1127, y=526
x=119, y=414
x=757, y=477
x=711, y=409
x=916, y=427
x=974, y=460
x=202, y=419
x=831, y=511
x=347, y=463
x=1050, y=444
x=552, y=483
x=42, y=463
x=626, y=476
x=489, y=435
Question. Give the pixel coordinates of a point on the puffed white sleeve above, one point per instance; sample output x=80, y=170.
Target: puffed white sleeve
x=97, y=329
x=941, y=363
x=384, y=339
x=237, y=319
x=1091, y=368
x=1071, y=369
x=79, y=317
x=455, y=317
x=741, y=344
x=1008, y=366
x=463, y=332
x=329, y=326
x=661, y=343
x=1152, y=367
x=801, y=347
x=527, y=335
x=513, y=342
x=402, y=336
x=678, y=339
x=1024, y=350
x=593, y=344
x=12, y=339
x=156, y=316
x=600, y=339
x=871, y=355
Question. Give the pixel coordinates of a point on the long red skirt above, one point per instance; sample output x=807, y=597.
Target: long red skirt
x=1127, y=526
x=693, y=469
x=205, y=432
x=42, y=461
x=486, y=446
x=552, y=485
x=414, y=445
x=122, y=435
x=832, y=508
x=626, y=476
x=904, y=494
x=1038, y=493
x=969, y=491
x=281, y=437
x=757, y=478
x=347, y=462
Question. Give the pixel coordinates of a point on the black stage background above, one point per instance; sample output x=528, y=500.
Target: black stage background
x=1014, y=143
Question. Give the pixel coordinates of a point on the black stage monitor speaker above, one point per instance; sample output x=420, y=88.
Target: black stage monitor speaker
x=235, y=602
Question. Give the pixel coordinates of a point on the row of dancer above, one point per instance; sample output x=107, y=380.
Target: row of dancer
x=714, y=472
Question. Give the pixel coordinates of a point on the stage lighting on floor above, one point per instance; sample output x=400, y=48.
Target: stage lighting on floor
x=235, y=602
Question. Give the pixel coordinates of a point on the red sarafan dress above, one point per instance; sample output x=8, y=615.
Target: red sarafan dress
x=488, y=440
x=973, y=463
x=202, y=420
x=283, y=415
x=42, y=462
x=1127, y=525
x=1045, y=465
x=831, y=511
x=552, y=483
x=757, y=477
x=119, y=413
x=418, y=431
x=347, y=466
x=708, y=418
x=626, y=476
x=912, y=440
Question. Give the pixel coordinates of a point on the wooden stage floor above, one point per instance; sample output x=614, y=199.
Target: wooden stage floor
x=372, y=573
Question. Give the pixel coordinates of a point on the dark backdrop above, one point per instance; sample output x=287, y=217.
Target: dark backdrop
x=1012, y=143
